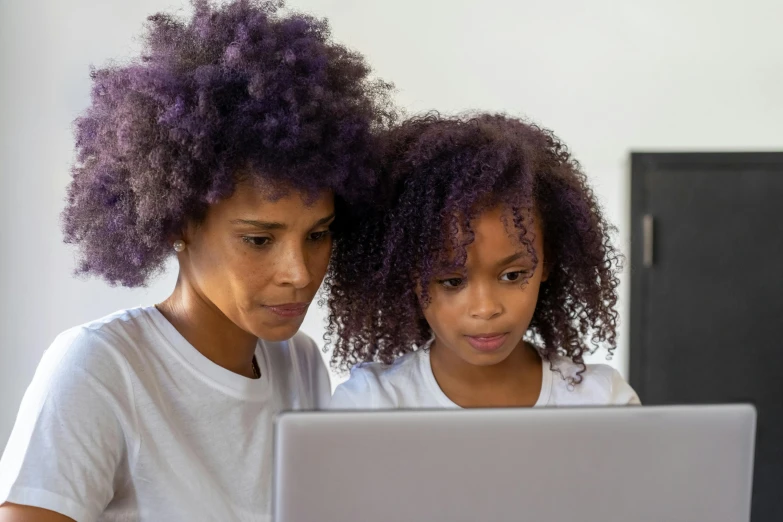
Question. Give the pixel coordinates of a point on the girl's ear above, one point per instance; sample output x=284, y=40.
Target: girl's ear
x=545, y=273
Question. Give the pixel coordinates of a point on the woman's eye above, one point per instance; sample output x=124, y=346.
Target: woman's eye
x=256, y=241
x=319, y=236
x=513, y=276
x=453, y=282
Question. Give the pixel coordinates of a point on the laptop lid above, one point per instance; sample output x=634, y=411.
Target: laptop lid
x=620, y=464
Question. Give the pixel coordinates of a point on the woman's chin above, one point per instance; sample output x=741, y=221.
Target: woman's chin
x=277, y=333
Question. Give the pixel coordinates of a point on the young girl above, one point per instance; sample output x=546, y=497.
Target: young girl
x=232, y=144
x=485, y=280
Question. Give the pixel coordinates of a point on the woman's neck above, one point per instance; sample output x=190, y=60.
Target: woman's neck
x=516, y=381
x=210, y=332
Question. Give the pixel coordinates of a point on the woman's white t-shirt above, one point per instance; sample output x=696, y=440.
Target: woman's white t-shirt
x=409, y=383
x=126, y=420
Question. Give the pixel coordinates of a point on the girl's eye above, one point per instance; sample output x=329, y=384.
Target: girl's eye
x=255, y=240
x=513, y=276
x=320, y=236
x=452, y=282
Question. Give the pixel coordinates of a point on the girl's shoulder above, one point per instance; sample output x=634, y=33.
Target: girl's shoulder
x=373, y=385
x=589, y=385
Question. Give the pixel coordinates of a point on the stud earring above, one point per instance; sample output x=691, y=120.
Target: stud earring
x=179, y=245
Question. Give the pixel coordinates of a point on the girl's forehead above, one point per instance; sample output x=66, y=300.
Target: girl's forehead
x=492, y=235
x=463, y=227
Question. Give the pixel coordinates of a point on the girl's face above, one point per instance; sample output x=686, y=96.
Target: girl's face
x=260, y=261
x=480, y=312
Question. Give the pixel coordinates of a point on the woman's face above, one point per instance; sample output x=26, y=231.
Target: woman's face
x=260, y=260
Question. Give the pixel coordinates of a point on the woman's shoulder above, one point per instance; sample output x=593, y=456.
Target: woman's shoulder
x=99, y=343
x=80, y=406
x=87, y=363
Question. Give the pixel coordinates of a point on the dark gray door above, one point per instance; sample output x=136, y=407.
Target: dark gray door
x=707, y=292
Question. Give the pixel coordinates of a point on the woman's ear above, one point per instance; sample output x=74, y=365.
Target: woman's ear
x=179, y=240
x=188, y=231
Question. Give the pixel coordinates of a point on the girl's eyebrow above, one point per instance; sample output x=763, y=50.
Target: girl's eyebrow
x=509, y=259
x=450, y=265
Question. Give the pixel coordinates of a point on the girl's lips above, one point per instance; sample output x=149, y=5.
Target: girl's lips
x=487, y=342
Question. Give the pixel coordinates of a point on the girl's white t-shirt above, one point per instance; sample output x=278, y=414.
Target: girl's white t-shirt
x=409, y=383
x=126, y=420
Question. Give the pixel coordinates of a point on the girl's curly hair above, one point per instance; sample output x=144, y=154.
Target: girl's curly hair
x=439, y=174
x=239, y=87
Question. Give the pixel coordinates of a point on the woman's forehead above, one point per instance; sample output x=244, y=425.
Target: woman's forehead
x=254, y=198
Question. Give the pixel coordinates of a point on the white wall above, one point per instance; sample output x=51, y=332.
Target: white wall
x=608, y=76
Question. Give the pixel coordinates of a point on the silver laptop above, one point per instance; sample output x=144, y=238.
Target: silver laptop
x=630, y=464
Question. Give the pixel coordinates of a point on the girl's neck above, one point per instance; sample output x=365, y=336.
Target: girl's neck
x=210, y=332
x=516, y=381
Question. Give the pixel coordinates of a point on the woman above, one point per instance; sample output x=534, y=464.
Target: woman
x=229, y=144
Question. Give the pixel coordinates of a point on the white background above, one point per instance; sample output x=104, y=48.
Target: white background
x=609, y=76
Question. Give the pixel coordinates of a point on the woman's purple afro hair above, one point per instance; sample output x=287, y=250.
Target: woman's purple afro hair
x=235, y=88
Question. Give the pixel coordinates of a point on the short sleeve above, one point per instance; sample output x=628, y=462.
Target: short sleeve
x=622, y=394
x=68, y=439
x=355, y=393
